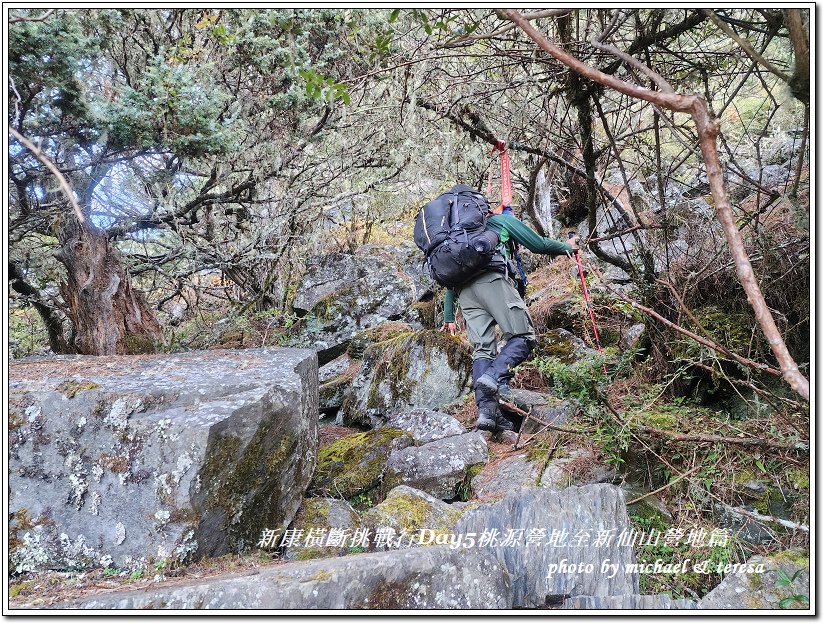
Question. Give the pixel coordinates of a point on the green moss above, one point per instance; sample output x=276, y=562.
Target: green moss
x=241, y=479
x=800, y=558
x=16, y=588
x=648, y=515
x=744, y=475
x=135, y=344
x=658, y=420
x=71, y=387
x=799, y=479
x=313, y=512
x=320, y=575
x=305, y=554
x=354, y=464
x=553, y=344
x=410, y=512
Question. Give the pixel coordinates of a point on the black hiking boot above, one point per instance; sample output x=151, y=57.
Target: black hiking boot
x=495, y=378
x=502, y=424
x=487, y=421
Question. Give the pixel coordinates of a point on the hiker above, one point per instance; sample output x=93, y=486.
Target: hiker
x=491, y=299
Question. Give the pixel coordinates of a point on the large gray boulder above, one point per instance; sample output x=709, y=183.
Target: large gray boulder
x=341, y=294
x=570, y=532
x=119, y=459
x=437, y=577
x=758, y=584
x=440, y=468
x=426, y=369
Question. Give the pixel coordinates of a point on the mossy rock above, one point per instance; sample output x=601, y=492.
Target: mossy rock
x=408, y=509
x=383, y=333
x=425, y=369
x=137, y=344
x=317, y=516
x=354, y=464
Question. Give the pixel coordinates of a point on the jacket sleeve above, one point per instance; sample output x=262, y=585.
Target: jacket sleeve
x=449, y=306
x=529, y=238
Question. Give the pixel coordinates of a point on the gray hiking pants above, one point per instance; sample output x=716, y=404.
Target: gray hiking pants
x=488, y=300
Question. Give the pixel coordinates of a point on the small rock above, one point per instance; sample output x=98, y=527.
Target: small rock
x=355, y=464
x=321, y=514
x=426, y=425
x=439, y=467
x=754, y=489
x=632, y=336
x=407, y=510
x=502, y=477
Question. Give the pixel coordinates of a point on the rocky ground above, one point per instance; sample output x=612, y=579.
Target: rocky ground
x=204, y=479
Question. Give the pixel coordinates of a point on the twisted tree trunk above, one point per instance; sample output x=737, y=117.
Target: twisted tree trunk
x=109, y=316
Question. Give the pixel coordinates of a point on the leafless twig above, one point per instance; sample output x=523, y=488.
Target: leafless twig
x=42, y=18
x=64, y=184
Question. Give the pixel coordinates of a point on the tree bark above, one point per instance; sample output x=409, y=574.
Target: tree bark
x=109, y=316
x=707, y=129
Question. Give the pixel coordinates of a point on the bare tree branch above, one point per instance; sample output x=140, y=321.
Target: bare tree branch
x=42, y=18
x=505, y=29
x=707, y=129
x=64, y=184
x=634, y=62
x=745, y=45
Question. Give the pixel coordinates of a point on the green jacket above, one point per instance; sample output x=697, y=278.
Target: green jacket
x=510, y=228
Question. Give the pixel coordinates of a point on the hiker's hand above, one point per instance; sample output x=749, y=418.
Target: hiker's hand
x=573, y=242
x=449, y=327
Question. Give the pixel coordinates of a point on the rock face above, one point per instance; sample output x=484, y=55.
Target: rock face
x=566, y=527
x=754, y=589
x=316, y=515
x=426, y=425
x=113, y=459
x=439, y=468
x=436, y=577
x=341, y=294
x=426, y=369
x=355, y=464
x=505, y=476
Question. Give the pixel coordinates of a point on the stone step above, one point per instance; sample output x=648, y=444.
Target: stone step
x=437, y=577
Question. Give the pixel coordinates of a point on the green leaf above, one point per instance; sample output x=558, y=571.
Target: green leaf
x=760, y=466
x=786, y=603
x=394, y=15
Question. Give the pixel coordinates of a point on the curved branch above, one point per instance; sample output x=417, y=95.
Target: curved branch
x=42, y=18
x=64, y=184
x=707, y=129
